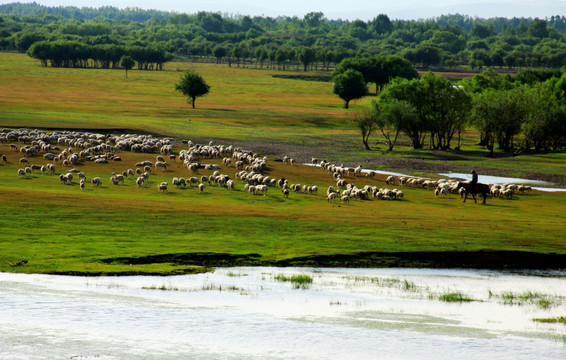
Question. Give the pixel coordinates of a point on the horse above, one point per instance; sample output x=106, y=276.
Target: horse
x=474, y=189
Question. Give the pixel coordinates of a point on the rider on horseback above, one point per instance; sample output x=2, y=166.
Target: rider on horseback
x=474, y=178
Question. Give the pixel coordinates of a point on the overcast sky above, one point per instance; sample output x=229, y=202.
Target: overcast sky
x=339, y=9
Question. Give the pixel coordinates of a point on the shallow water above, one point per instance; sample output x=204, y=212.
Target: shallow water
x=245, y=313
x=536, y=184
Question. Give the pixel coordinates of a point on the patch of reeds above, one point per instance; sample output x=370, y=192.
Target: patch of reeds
x=456, y=296
x=558, y=320
x=299, y=281
x=542, y=301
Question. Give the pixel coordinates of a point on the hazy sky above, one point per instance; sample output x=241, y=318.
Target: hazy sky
x=343, y=9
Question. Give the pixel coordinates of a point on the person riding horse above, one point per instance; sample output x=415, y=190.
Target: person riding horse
x=473, y=187
x=474, y=178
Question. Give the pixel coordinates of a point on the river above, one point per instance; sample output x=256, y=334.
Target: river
x=249, y=313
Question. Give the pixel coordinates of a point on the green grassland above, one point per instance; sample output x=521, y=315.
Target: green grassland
x=46, y=227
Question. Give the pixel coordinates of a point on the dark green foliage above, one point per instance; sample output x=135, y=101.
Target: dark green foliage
x=449, y=40
x=127, y=63
x=349, y=85
x=192, y=85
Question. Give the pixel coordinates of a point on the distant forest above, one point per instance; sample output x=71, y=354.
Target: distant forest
x=99, y=37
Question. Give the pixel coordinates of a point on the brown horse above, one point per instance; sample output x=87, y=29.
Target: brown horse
x=474, y=189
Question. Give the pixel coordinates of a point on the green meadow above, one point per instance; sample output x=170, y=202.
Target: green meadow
x=47, y=227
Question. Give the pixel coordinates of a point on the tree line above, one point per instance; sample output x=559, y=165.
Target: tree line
x=513, y=114
x=311, y=42
x=68, y=53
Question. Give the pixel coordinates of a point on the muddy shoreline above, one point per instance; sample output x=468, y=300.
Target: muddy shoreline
x=492, y=260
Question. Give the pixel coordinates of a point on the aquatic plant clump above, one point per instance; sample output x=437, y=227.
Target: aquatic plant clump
x=298, y=281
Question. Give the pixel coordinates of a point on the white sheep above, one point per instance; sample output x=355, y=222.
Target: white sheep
x=96, y=181
x=201, y=187
x=344, y=199
x=161, y=164
x=331, y=197
x=358, y=171
x=140, y=180
x=162, y=187
x=82, y=184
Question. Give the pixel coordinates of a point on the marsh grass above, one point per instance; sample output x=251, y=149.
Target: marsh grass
x=455, y=296
x=233, y=274
x=163, y=287
x=300, y=281
x=558, y=320
x=543, y=301
x=396, y=283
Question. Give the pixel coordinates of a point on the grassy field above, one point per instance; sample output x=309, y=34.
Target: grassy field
x=53, y=228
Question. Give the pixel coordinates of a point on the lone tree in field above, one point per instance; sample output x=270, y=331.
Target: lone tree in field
x=349, y=85
x=192, y=85
x=127, y=63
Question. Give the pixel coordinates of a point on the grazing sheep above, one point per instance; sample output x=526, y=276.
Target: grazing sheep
x=358, y=171
x=82, y=184
x=21, y=172
x=285, y=193
x=4, y=158
x=201, y=187
x=140, y=180
x=390, y=179
x=161, y=164
x=63, y=179
x=345, y=199
x=13, y=147
x=331, y=197
x=159, y=158
x=370, y=174
x=82, y=175
x=96, y=181
x=24, y=161
x=507, y=194
x=193, y=181
x=162, y=187
x=261, y=189
x=230, y=184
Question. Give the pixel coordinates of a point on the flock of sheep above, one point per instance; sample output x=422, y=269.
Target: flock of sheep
x=71, y=148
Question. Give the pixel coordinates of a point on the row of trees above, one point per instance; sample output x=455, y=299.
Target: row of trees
x=513, y=114
x=308, y=42
x=76, y=54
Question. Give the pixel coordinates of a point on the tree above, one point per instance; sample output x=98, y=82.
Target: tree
x=409, y=91
x=192, y=85
x=393, y=117
x=219, y=52
x=306, y=55
x=366, y=122
x=349, y=85
x=127, y=63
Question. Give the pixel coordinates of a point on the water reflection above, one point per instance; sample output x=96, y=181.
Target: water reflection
x=245, y=313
